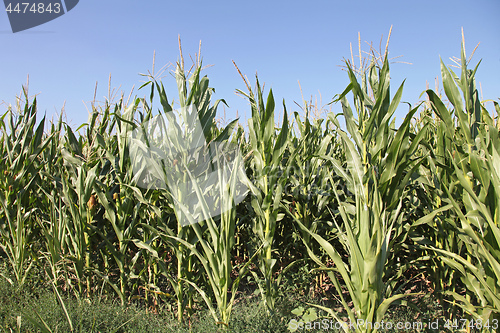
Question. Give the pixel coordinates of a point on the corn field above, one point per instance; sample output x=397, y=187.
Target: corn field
x=374, y=207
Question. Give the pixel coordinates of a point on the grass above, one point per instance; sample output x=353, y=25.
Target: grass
x=104, y=314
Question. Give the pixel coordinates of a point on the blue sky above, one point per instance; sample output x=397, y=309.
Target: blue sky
x=283, y=41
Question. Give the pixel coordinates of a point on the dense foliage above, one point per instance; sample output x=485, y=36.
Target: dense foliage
x=368, y=208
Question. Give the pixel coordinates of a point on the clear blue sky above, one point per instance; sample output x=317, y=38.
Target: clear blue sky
x=284, y=41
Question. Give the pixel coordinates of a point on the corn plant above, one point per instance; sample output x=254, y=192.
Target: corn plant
x=79, y=205
x=307, y=195
x=308, y=176
x=52, y=228
x=473, y=195
x=216, y=237
x=186, y=162
x=121, y=201
x=379, y=165
x=435, y=175
x=54, y=236
x=195, y=105
x=269, y=179
x=21, y=145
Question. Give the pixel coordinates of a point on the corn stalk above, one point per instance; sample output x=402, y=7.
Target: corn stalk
x=473, y=194
x=268, y=181
x=21, y=144
x=379, y=166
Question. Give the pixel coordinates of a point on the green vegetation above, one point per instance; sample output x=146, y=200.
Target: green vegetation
x=362, y=223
